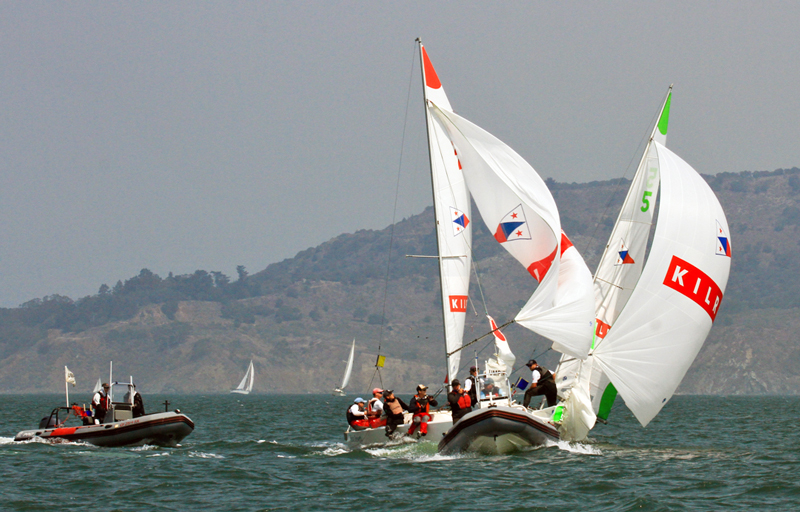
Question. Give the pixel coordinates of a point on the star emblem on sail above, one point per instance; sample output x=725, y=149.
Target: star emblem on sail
x=623, y=255
x=460, y=221
x=723, y=243
x=513, y=226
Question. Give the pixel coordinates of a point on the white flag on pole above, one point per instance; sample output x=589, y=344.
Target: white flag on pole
x=69, y=377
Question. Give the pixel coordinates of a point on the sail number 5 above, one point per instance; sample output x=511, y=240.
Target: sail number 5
x=648, y=193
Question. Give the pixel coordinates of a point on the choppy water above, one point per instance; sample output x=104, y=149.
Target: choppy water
x=266, y=452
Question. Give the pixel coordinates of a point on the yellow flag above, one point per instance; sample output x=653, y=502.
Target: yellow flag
x=380, y=361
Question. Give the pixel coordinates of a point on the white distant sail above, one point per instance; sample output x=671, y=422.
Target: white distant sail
x=349, y=368
x=246, y=385
x=98, y=386
x=452, y=209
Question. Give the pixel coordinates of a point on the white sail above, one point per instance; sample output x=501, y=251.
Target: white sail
x=246, y=385
x=517, y=206
x=669, y=313
x=620, y=266
x=452, y=209
x=349, y=368
x=98, y=386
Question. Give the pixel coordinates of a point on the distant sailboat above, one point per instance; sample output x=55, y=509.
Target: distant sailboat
x=347, y=371
x=246, y=386
x=98, y=386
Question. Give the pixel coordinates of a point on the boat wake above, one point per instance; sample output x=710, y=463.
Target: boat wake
x=577, y=448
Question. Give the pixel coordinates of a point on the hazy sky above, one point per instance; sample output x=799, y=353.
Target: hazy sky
x=179, y=136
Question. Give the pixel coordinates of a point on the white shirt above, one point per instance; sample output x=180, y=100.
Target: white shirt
x=467, y=384
x=535, y=376
x=355, y=411
x=376, y=405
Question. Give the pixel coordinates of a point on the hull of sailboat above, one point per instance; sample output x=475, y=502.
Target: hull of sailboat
x=240, y=391
x=162, y=429
x=498, y=430
x=439, y=424
x=338, y=392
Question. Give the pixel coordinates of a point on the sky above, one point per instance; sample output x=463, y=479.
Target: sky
x=178, y=136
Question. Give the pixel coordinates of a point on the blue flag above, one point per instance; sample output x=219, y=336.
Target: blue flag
x=521, y=384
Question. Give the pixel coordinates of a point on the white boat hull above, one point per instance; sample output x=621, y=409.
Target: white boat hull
x=440, y=423
x=499, y=430
x=240, y=391
x=337, y=392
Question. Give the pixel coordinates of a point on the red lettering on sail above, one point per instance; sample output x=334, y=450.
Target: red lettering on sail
x=458, y=303
x=602, y=328
x=538, y=269
x=693, y=283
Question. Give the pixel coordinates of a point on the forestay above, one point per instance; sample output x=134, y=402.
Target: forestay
x=518, y=208
x=671, y=310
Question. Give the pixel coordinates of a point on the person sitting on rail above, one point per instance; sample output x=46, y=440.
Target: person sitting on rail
x=356, y=415
x=421, y=407
x=375, y=409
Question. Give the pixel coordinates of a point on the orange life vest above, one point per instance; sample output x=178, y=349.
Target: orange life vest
x=465, y=401
x=423, y=410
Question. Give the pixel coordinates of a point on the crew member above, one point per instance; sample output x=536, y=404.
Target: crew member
x=101, y=404
x=138, y=404
x=471, y=384
x=460, y=401
x=421, y=407
x=393, y=407
x=356, y=415
x=375, y=409
x=543, y=382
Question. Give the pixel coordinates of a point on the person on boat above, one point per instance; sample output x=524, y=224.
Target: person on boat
x=491, y=391
x=543, y=382
x=375, y=409
x=421, y=407
x=471, y=384
x=357, y=415
x=393, y=407
x=460, y=401
x=138, y=404
x=101, y=403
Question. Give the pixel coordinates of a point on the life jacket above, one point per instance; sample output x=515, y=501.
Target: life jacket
x=394, y=406
x=473, y=390
x=545, y=374
x=424, y=406
x=103, y=404
x=464, y=401
x=352, y=417
x=370, y=410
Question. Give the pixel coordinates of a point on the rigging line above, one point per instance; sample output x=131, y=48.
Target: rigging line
x=480, y=338
x=534, y=356
x=396, y=195
x=614, y=193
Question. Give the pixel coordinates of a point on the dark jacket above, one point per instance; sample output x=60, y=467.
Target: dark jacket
x=418, y=405
x=388, y=409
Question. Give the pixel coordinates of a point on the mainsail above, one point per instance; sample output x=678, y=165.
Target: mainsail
x=246, y=385
x=517, y=206
x=451, y=205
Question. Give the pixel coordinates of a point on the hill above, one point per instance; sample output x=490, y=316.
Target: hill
x=296, y=318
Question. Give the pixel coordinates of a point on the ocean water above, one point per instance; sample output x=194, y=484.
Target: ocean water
x=272, y=452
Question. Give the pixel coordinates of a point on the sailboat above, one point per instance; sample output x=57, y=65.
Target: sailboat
x=453, y=226
x=347, y=371
x=518, y=208
x=653, y=311
x=246, y=386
